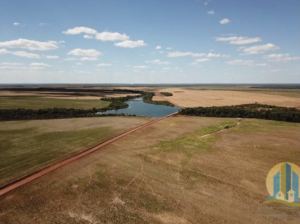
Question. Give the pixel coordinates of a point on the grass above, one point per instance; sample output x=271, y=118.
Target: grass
x=165, y=173
x=25, y=148
x=28, y=102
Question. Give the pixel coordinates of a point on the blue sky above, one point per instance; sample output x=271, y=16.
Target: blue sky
x=149, y=41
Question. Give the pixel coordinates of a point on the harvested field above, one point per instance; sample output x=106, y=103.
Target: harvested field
x=207, y=98
x=165, y=173
x=27, y=146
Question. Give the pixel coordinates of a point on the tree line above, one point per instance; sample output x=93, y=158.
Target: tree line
x=260, y=111
x=147, y=98
x=166, y=93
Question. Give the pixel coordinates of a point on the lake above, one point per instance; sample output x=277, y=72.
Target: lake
x=138, y=107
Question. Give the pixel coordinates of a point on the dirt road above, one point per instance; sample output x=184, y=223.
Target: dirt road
x=8, y=188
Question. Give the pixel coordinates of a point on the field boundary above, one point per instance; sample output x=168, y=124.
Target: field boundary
x=31, y=177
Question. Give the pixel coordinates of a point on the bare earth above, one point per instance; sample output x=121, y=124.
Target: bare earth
x=207, y=98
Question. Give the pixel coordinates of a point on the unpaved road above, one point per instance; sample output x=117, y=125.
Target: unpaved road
x=10, y=187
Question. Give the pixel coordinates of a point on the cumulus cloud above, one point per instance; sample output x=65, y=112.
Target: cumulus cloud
x=245, y=63
x=88, y=36
x=52, y=56
x=158, y=47
x=201, y=60
x=225, y=21
x=89, y=59
x=25, y=54
x=40, y=64
x=20, y=53
x=259, y=49
x=211, y=55
x=109, y=36
x=166, y=68
x=103, y=65
x=131, y=44
x=17, y=24
x=169, y=48
x=211, y=12
x=280, y=57
x=79, y=30
x=85, y=52
x=239, y=40
x=184, y=54
x=30, y=44
x=158, y=62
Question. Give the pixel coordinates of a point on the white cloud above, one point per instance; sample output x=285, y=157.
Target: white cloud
x=40, y=64
x=79, y=30
x=166, y=68
x=12, y=64
x=17, y=24
x=169, y=48
x=211, y=12
x=245, y=63
x=211, y=55
x=52, y=56
x=131, y=44
x=183, y=54
x=85, y=52
x=239, y=40
x=103, y=65
x=19, y=53
x=280, y=58
x=4, y=51
x=141, y=67
x=240, y=62
x=30, y=44
x=79, y=63
x=109, y=36
x=158, y=62
x=25, y=54
x=201, y=60
x=88, y=36
x=225, y=21
x=258, y=49
x=89, y=59
x=158, y=47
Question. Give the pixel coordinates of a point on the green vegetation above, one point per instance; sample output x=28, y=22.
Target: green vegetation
x=29, y=102
x=117, y=102
x=166, y=93
x=147, y=98
x=256, y=110
x=25, y=151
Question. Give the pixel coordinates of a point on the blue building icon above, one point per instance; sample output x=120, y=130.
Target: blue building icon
x=286, y=184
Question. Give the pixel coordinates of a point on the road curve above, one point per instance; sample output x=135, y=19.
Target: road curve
x=10, y=187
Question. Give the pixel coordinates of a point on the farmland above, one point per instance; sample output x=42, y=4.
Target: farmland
x=166, y=173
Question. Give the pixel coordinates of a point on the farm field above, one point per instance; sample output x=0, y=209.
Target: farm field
x=185, y=97
x=32, y=102
x=165, y=173
x=28, y=146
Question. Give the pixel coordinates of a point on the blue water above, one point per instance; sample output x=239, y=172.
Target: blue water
x=138, y=107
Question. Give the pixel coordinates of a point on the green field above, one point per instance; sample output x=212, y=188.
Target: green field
x=29, y=102
x=27, y=146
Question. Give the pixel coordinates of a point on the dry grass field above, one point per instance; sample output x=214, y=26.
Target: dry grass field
x=206, y=98
x=27, y=146
x=166, y=173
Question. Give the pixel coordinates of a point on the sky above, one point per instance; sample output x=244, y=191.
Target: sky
x=149, y=41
